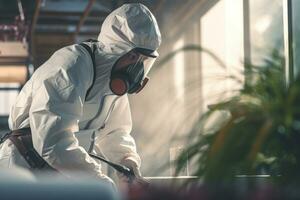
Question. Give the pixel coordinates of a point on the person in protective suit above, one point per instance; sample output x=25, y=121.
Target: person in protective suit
x=73, y=109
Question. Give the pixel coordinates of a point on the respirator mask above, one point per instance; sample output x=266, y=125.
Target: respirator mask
x=132, y=77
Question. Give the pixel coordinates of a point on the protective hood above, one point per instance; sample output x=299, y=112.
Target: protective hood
x=128, y=27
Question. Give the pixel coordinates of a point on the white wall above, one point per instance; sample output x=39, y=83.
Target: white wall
x=180, y=90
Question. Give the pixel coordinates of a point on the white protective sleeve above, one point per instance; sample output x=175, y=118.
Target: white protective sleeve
x=115, y=141
x=58, y=96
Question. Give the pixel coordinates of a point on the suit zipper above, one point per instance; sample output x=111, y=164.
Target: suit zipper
x=97, y=114
x=108, y=113
x=93, y=136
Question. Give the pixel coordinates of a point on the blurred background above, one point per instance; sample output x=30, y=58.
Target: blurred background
x=181, y=88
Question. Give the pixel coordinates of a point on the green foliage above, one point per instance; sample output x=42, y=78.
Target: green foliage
x=261, y=134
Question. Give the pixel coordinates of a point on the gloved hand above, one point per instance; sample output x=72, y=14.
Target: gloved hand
x=136, y=181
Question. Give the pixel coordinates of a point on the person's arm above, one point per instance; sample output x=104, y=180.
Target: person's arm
x=115, y=141
x=58, y=97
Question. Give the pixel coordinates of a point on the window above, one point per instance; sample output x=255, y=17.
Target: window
x=8, y=94
x=296, y=31
x=266, y=28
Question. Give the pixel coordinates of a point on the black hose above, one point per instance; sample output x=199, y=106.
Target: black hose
x=120, y=168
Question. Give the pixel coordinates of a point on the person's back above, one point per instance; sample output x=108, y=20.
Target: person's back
x=70, y=61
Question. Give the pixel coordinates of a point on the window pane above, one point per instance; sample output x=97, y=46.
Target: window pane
x=8, y=94
x=296, y=33
x=266, y=28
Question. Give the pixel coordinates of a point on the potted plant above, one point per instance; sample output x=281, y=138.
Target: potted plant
x=261, y=134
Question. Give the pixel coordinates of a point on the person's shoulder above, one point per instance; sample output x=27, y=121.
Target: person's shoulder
x=70, y=50
x=69, y=56
x=69, y=59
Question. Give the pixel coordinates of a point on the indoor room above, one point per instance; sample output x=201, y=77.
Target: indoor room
x=149, y=99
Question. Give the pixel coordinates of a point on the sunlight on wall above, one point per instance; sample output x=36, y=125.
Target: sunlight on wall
x=234, y=44
x=179, y=70
x=213, y=38
x=222, y=33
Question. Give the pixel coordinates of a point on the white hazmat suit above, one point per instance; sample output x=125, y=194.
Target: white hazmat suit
x=65, y=126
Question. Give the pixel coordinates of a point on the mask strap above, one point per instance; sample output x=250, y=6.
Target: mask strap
x=146, y=79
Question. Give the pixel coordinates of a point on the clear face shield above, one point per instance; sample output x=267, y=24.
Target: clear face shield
x=132, y=76
x=144, y=62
